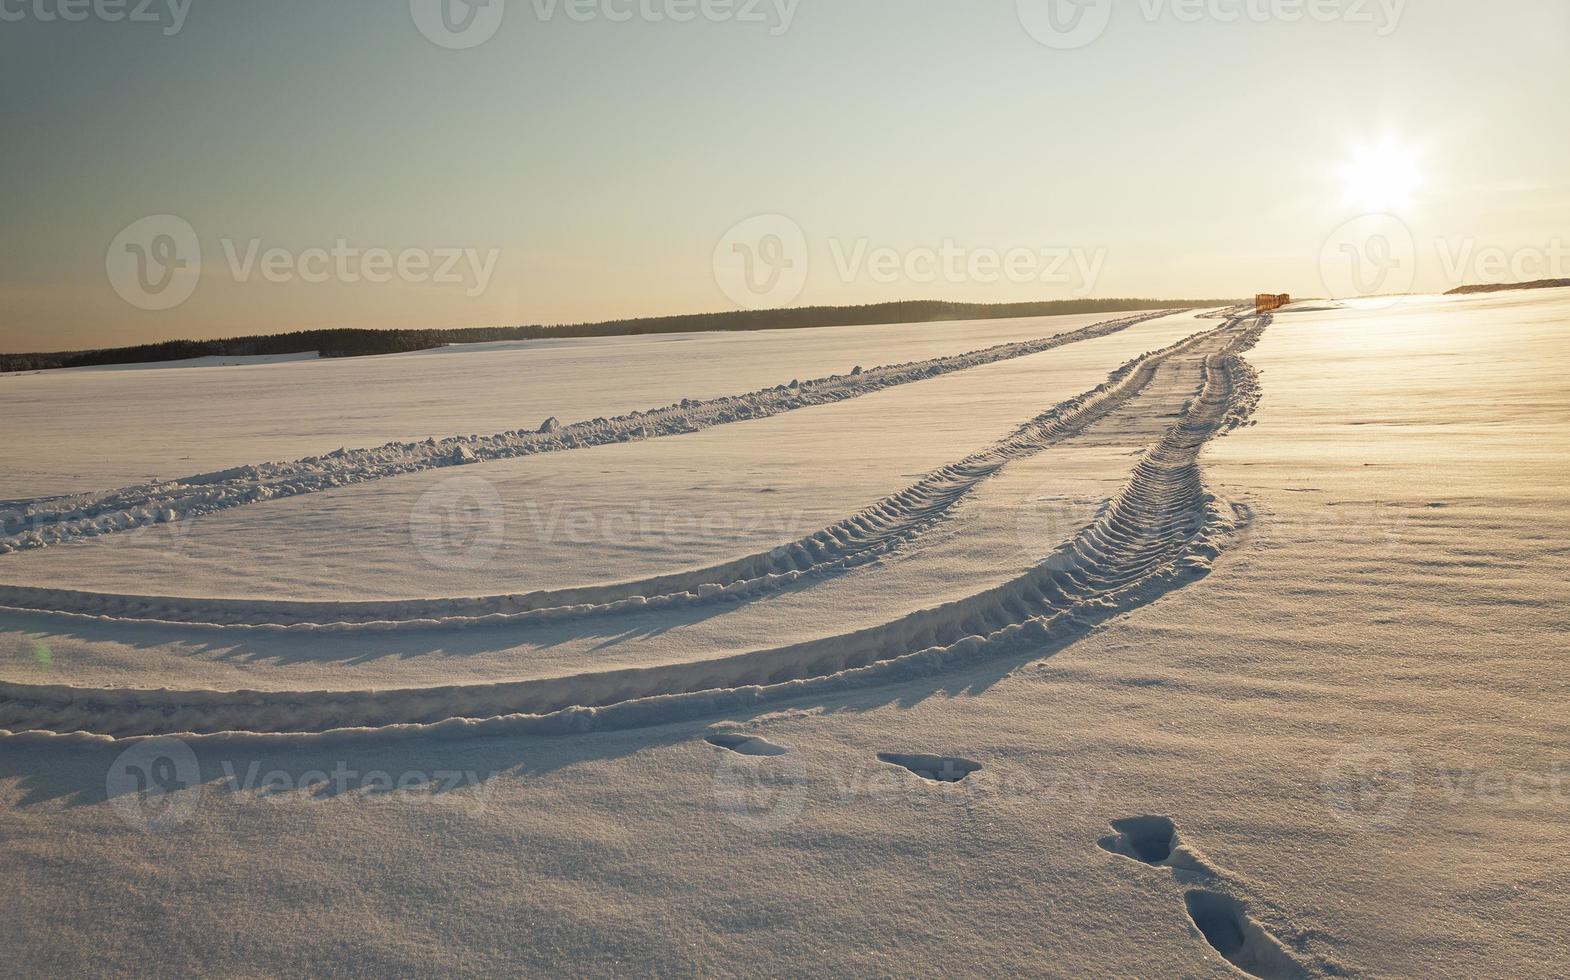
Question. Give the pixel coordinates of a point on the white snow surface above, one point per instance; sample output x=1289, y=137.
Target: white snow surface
x=78, y=430
x=207, y=361
x=1250, y=650
x=32, y=524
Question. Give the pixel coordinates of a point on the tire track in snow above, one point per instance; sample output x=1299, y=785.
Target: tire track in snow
x=47, y=521
x=1161, y=530
x=866, y=537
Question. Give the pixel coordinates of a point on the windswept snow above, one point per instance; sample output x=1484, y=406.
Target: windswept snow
x=856, y=540
x=80, y=431
x=39, y=523
x=1272, y=685
x=1162, y=527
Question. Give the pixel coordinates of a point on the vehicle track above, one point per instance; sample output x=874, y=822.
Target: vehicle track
x=891, y=523
x=1162, y=529
x=47, y=521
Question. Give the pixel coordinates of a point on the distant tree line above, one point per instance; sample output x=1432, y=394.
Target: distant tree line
x=1499, y=287
x=357, y=343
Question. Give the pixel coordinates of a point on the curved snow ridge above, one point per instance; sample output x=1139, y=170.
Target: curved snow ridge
x=1163, y=528
x=864, y=538
x=41, y=523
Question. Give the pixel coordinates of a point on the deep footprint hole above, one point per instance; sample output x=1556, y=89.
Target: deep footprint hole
x=1240, y=940
x=937, y=768
x=1219, y=920
x=745, y=744
x=1150, y=839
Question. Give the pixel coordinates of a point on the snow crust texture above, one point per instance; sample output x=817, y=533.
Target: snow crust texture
x=1162, y=528
x=876, y=531
x=38, y=523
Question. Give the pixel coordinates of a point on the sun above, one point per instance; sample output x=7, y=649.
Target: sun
x=1383, y=176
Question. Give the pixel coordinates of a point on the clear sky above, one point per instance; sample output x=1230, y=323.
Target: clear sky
x=595, y=159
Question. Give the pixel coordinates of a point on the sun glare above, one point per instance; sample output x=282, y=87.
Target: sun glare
x=1381, y=177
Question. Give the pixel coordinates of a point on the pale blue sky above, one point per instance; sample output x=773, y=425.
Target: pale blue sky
x=605, y=160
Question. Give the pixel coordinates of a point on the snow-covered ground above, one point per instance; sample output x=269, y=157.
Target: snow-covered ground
x=74, y=431
x=878, y=683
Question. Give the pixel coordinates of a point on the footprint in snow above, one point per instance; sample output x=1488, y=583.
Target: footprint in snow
x=745, y=744
x=1241, y=941
x=936, y=768
x=1219, y=918
x=1147, y=839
